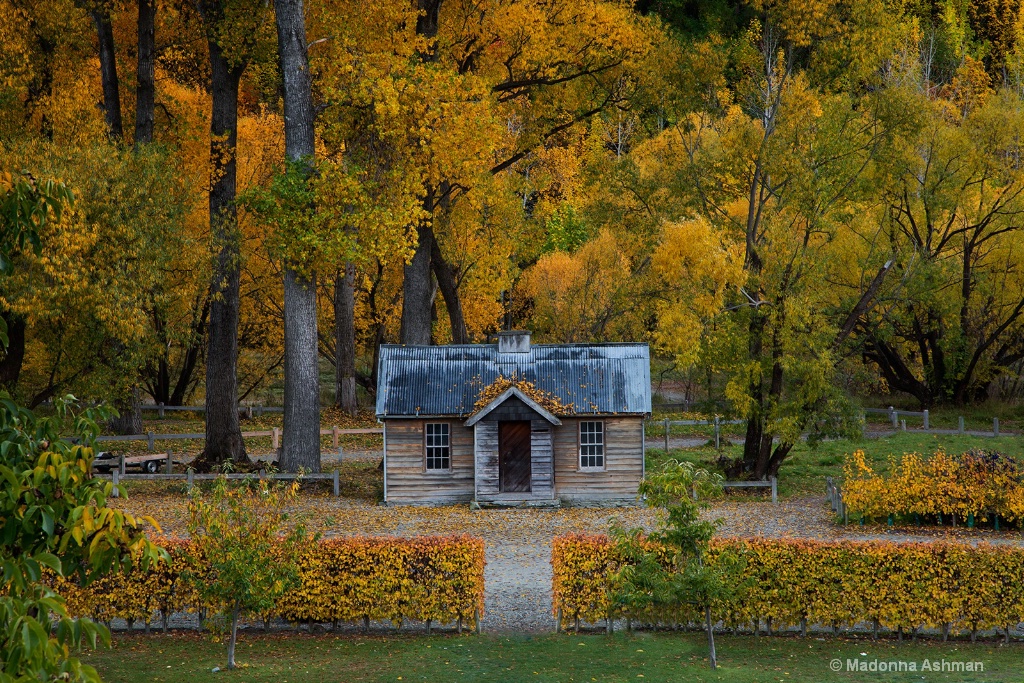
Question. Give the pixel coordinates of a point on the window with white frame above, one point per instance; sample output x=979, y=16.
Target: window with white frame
x=591, y=445
x=438, y=444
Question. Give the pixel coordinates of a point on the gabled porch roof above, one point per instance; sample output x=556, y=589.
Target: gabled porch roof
x=504, y=396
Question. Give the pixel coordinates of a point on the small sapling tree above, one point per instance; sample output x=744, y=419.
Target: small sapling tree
x=666, y=571
x=248, y=553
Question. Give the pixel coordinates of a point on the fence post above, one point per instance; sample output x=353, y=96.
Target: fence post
x=995, y=426
x=926, y=427
x=149, y=438
x=117, y=480
x=170, y=463
x=775, y=490
x=160, y=409
x=334, y=430
x=666, y=435
x=960, y=425
x=188, y=479
x=903, y=425
x=120, y=464
x=259, y=410
x=337, y=484
x=718, y=434
x=276, y=438
x=894, y=415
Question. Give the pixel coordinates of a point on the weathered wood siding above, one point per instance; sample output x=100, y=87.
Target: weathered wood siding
x=624, y=461
x=486, y=459
x=408, y=482
x=555, y=463
x=542, y=459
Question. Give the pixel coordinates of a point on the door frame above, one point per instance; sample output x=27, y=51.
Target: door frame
x=529, y=456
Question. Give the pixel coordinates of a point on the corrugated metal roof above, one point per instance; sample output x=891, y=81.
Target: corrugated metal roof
x=446, y=380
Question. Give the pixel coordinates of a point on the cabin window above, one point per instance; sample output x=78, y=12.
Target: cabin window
x=591, y=445
x=439, y=448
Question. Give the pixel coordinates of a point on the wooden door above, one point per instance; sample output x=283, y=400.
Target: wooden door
x=514, y=456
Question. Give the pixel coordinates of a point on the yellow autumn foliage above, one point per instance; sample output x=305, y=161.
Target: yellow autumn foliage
x=548, y=401
x=976, y=484
x=438, y=578
x=794, y=582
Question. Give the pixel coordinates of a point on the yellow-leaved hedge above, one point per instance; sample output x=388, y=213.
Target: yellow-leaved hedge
x=437, y=578
x=975, y=483
x=899, y=585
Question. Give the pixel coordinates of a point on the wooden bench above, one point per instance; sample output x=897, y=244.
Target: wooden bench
x=772, y=483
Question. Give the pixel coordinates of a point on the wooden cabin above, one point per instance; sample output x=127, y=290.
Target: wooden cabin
x=513, y=423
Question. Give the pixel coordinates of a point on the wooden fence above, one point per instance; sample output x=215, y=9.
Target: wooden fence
x=834, y=497
x=275, y=435
x=717, y=422
x=898, y=419
x=190, y=477
x=250, y=410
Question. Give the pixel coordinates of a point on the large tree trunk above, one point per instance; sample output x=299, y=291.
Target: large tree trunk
x=418, y=288
x=446, y=282
x=129, y=414
x=145, y=89
x=301, y=447
x=301, y=372
x=345, y=339
x=223, y=431
x=108, y=72
x=417, y=285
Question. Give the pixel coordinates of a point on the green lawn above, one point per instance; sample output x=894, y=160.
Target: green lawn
x=805, y=470
x=648, y=657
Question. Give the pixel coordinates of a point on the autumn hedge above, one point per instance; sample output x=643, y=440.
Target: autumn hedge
x=942, y=585
x=976, y=484
x=353, y=579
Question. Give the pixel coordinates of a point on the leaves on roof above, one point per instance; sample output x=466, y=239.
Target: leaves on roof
x=546, y=400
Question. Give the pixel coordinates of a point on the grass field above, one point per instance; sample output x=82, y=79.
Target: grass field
x=565, y=658
x=805, y=470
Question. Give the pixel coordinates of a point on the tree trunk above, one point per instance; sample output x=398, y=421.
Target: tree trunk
x=301, y=447
x=418, y=288
x=445, y=274
x=129, y=419
x=712, y=656
x=184, y=385
x=345, y=339
x=14, y=358
x=108, y=72
x=417, y=285
x=301, y=371
x=145, y=90
x=756, y=418
x=223, y=431
x=233, y=638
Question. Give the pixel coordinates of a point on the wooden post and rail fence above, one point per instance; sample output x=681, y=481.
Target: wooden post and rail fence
x=275, y=436
x=118, y=475
x=190, y=477
x=898, y=418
